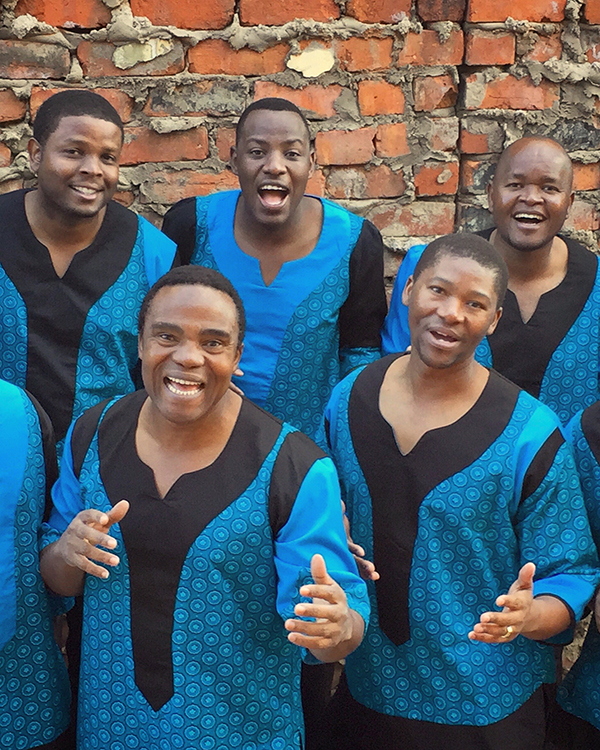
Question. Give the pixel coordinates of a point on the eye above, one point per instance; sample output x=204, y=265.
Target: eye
x=293, y=154
x=514, y=185
x=436, y=289
x=213, y=345
x=256, y=153
x=550, y=189
x=475, y=304
x=110, y=158
x=71, y=151
x=165, y=338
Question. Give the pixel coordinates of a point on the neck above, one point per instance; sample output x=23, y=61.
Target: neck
x=54, y=227
x=269, y=236
x=441, y=384
x=524, y=265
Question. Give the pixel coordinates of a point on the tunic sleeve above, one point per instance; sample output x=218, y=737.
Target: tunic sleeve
x=180, y=225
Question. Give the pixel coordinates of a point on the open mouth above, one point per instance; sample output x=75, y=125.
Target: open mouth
x=86, y=192
x=181, y=387
x=273, y=196
x=442, y=337
x=528, y=219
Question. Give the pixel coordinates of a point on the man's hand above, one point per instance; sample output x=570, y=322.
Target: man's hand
x=78, y=545
x=515, y=618
x=365, y=567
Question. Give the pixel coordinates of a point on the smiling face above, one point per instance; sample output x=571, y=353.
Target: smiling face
x=452, y=305
x=531, y=193
x=189, y=350
x=78, y=166
x=273, y=160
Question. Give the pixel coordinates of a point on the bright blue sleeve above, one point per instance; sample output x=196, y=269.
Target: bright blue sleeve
x=315, y=526
x=395, y=334
x=589, y=472
x=159, y=251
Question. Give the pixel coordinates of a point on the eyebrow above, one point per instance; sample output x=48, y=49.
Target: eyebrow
x=522, y=176
x=472, y=292
x=289, y=141
x=163, y=326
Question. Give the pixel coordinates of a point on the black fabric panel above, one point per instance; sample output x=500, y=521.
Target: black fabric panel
x=522, y=351
x=296, y=457
x=57, y=307
x=399, y=483
x=158, y=532
x=590, y=426
x=83, y=434
x=541, y=464
x=362, y=314
x=49, y=450
x=180, y=225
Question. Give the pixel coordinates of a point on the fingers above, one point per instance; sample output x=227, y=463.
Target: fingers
x=117, y=513
x=493, y=634
x=526, y=574
x=366, y=569
x=318, y=571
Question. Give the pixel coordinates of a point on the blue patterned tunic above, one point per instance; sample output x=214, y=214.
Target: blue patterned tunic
x=449, y=525
x=184, y=644
x=555, y=356
x=34, y=688
x=319, y=318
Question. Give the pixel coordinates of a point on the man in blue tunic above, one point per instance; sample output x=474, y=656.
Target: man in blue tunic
x=456, y=481
x=547, y=341
x=309, y=272
x=226, y=509
x=34, y=687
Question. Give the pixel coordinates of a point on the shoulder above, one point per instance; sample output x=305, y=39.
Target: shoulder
x=585, y=261
x=183, y=211
x=11, y=199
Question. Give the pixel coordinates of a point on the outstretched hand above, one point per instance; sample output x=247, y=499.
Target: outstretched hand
x=88, y=531
x=505, y=626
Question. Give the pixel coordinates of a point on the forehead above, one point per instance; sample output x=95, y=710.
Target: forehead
x=466, y=272
x=283, y=124
x=536, y=159
x=193, y=304
x=87, y=127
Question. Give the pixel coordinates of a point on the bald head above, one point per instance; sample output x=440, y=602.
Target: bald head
x=547, y=149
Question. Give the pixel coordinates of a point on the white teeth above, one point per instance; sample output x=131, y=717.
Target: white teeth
x=273, y=187
x=169, y=382
x=534, y=217
x=85, y=190
x=183, y=382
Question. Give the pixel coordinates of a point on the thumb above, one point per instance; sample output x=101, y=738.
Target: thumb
x=117, y=513
x=318, y=570
x=526, y=574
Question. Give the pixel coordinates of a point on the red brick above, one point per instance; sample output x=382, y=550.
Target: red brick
x=545, y=48
x=345, y=146
x=444, y=133
x=434, y=92
x=186, y=14
x=592, y=11
x=124, y=197
x=378, y=11
x=357, y=182
x=427, y=49
x=144, y=145
x=380, y=98
x=508, y=92
x=418, y=219
x=121, y=101
x=5, y=155
x=480, y=11
x=436, y=178
x=586, y=176
x=208, y=97
x=473, y=143
x=170, y=187
x=475, y=175
x=489, y=48
x=593, y=53
x=391, y=140
x=441, y=10
x=358, y=54
x=217, y=57
x=253, y=12
x=96, y=61
x=316, y=184
x=317, y=99
x=11, y=107
x=583, y=216
x=86, y=14
x=225, y=140
x=33, y=60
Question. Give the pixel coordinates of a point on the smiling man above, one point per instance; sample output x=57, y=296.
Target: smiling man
x=547, y=340
x=219, y=543
x=309, y=272
x=453, y=479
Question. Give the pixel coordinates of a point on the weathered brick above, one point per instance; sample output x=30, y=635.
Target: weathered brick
x=391, y=140
x=357, y=182
x=427, y=49
x=358, y=53
x=592, y=11
x=592, y=53
x=434, y=92
x=121, y=101
x=420, y=219
x=316, y=183
x=378, y=11
x=11, y=107
x=215, y=56
x=586, y=176
x=144, y=145
x=88, y=14
x=187, y=14
x=508, y=92
x=480, y=11
x=319, y=100
x=124, y=197
x=345, y=146
x=169, y=187
x=380, y=98
x=253, y=12
x=202, y=98
x=225, y=140
x=583, y=216
x=490, y=48
x=480, y=136
x=444, y=133
x=96, y=60
x=441, y=10
x=544, y=48
x=476, y=175
x=436, y=178
x=5, y=155
x=33, y=60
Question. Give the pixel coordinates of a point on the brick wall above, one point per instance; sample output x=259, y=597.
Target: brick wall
x=411, y=101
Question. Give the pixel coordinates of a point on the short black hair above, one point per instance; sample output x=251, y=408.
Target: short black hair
x=274, y=104
x=72, y=103
x=467, y=245
x=195, y=276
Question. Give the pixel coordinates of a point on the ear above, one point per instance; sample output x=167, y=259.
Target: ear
x=313, y=161
x=35, y=155
x=233, y=160
x=238, y=356
x=140, y=346
x=494, y=322
x=490, y=197
x=410, y=282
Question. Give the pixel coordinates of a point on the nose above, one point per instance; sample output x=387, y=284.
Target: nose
x=91, y=164
x=274, y=163
x=450, y=309
x=188, y=354
x=532, y=194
